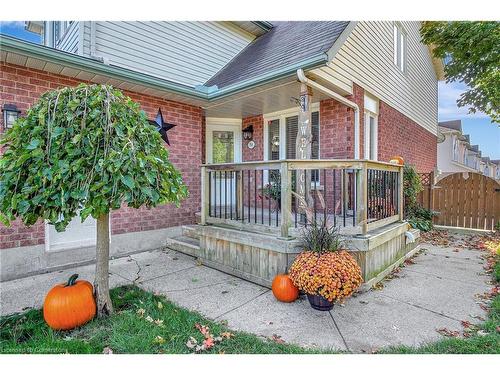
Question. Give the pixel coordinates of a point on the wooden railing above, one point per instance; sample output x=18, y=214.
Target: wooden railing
x=282, y=196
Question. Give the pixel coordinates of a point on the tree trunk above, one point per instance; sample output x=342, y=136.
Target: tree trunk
x=101, y=283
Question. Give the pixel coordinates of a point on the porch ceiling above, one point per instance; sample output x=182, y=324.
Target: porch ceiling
x=271, y=97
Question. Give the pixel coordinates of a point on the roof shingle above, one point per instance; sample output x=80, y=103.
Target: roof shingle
x=285, y=44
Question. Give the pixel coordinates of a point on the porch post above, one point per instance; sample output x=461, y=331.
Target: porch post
x=362, y=189
x=286, y=198
x=401, y=195
x=205, y=197
x=303, y=149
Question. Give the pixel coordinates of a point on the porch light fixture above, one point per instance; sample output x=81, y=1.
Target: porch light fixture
x=248, y=133
x=10, y=115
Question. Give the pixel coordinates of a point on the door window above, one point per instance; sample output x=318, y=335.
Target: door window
x=223, y=146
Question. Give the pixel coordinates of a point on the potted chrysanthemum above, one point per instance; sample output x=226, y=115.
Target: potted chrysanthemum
x=325, y=271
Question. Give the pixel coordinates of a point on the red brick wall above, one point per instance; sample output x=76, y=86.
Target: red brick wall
x=337, y=127
x=257, y=153
x=398, y=135
x=22, y=86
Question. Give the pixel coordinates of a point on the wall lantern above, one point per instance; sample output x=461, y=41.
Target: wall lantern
x=10, y=115
x=248, y=133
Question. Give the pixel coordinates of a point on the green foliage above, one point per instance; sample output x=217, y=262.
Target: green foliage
x=473, y=49
x=128, y=332
x=87, y=148
x=424, y=225
x=320, y=238
x=418, y=216
x=412, y=186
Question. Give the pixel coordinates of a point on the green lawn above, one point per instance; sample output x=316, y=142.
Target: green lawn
x=127, y=332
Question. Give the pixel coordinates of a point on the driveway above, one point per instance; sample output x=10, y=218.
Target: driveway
x=437, y=289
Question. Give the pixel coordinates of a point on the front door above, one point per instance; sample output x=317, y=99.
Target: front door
x=223, y=145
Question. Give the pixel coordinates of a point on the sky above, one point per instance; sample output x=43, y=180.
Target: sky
x=482, y=132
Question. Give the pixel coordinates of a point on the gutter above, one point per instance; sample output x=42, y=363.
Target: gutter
x=202, y=93
x=303, y=79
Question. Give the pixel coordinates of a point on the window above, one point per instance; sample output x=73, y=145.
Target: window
x=281, y=136
x=371, y=128
x=400, y=47
x=455, y=148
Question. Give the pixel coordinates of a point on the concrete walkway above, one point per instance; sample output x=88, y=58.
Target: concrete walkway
x=437, y=291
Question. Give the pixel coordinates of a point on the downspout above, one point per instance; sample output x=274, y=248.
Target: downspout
x=303, y=79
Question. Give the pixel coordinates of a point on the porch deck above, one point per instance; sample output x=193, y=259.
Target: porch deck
x=252, y=215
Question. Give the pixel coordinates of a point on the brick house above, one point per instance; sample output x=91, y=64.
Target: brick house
x=373, y=87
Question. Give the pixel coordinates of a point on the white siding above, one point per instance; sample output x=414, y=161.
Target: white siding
x=367, y=58
x=69, y=41
x=184, y=52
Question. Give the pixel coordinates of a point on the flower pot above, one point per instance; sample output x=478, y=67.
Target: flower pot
x=319, y=303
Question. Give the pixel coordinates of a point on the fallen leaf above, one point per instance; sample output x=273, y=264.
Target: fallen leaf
x=227, y=335
x=158, y=340
x=448, y=333
x=107, y=350
x=277, y=339
x=204, y=330
x=191, y=343
x=140, y=312
x=149, y=319
x=208, y=342
x=160, y=305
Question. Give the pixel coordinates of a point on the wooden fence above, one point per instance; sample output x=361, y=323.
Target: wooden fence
x=465, y=200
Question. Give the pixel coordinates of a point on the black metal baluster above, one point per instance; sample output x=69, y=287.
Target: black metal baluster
x=344, y=194
x=262, y=193
x=255, y=196
x=269, y=190
x=225, y=194
x=278, y=208
x=248, y=190
x=209, y=193
x=305, y=195
x=315, y=194
x=294, y=199
x=220, y=195
x=354, y=197
x=231, y=195
x=334, y=197
x=325, y=201
x=386, y=186
x=236, y=195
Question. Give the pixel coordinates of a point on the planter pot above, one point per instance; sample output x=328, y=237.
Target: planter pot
x=319, y=303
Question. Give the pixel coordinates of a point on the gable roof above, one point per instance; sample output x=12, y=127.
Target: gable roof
x=453, y=125
x=287, y=43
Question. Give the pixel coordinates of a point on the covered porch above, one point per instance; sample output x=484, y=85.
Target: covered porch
x=281, y=158
x=252, y=214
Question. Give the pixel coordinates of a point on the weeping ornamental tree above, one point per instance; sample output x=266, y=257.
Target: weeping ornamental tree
x=84, y=151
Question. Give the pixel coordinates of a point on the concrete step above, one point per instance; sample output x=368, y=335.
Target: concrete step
x=190, y=231
x=183, y=244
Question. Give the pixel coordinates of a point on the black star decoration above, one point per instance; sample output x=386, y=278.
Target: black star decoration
x=162, y=126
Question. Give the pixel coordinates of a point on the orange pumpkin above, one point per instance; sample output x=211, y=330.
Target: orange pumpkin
x=397, y=160
x=69, y=305
x=283, y=289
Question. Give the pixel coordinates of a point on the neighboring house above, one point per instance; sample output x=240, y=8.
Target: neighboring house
x=456, y=154
x=214, y=79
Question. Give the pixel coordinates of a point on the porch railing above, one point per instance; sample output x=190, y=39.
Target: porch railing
x=282, y=196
